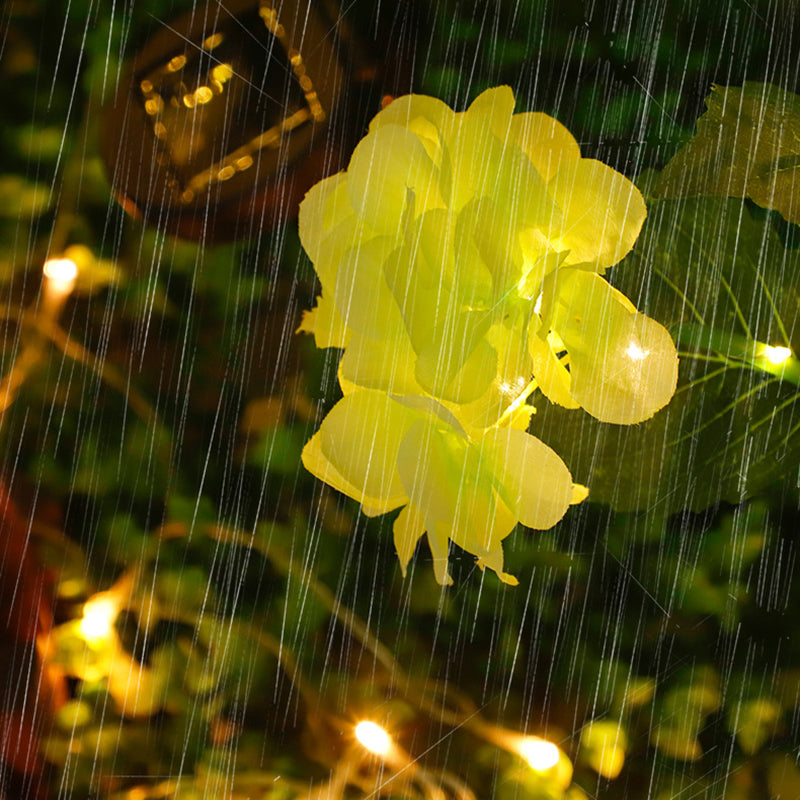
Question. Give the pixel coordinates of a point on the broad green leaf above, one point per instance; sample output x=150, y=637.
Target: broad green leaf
x=747, y=145
x=726, y=287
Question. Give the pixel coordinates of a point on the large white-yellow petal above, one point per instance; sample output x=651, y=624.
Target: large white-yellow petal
x=356, y=448
x=363, y=298
x=325, y=206
x=623, y=365
x=382, y=364
x=532, y=478
x=389, y=169
x=404, y=110
x=602, y=210
x=546, y=142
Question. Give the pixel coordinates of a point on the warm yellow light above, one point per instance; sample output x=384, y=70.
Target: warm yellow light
x=777, y=355
x=541, y=755
x=604, y=746
x=635, y=353
x=99, y=614
x=373, y=738
x=176, y=63
x=222, y=72
x=213, y=41
x=62, y=271
x=203, y=94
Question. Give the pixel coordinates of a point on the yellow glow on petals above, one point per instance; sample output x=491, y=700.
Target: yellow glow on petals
x=99, y=614
x=373, y=738
x=635, y=353
x=541, y=755
x=777, y=355
x=511, y=388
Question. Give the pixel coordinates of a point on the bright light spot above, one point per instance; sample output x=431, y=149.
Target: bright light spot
x=62, y=271
x=538, y=306
x=635, y=353
x=213, y=41
x=99, y=614
x=777, y=355
x=203, y=94
x=540, y=754
x=222, y=72
x=176, y=63
x=511, y=388
x=374, y=738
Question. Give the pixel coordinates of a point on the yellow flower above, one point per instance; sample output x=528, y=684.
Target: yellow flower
x=411, y=452
x=460, y=255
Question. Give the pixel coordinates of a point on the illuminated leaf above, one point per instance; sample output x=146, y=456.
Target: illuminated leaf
x=723, y=282
x=747, y=145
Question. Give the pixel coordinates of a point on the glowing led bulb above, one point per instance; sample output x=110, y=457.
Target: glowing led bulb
x=99, y=614
x=373, y=738
x=541, y=755
x=61, y=272
x=777, y=355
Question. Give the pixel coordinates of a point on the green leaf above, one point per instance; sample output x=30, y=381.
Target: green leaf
x=278, y=450
x=726, y=286
x=19, y=198
x=747, y=145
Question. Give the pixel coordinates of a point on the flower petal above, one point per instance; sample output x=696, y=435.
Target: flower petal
x=383, y=364
x=495, y=562
x=356, y=448
x=445, y=477
x=408, y=528
x=439, y=542
x=550, y=373
x=602, y=211
x=496, y=105
x=449, y=371
x=325, y=323
x=361, y=289
x=546, y=142
x=623, y=365
x=404, y=110
x=387, y=168
x=533, y=480
x=325, y=208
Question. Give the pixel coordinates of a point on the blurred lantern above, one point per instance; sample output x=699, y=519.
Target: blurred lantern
x=230, y=114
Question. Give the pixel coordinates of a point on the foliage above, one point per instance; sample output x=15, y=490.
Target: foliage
x=725, y=283
x=745, y=146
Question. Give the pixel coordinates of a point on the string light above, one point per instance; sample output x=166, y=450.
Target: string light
x=373, y=738
x=60, y=274
x=99, y=614
x=777, y=355
x=540, y=754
